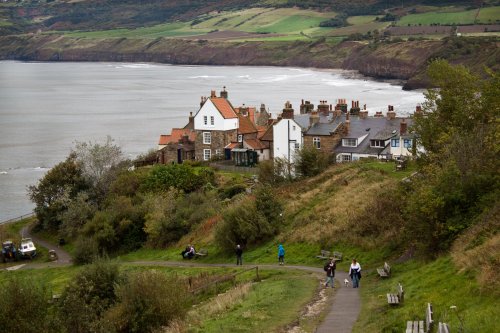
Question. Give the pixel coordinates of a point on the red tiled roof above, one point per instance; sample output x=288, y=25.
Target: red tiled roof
x=268, y=135
x=232, y=145
x=224, y=107
x=246, y=125
x=256, y=144
x=177, y=134
x=261, y=130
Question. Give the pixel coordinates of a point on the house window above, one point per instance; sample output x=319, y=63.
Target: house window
x=293, y=127
x=205, y=120
x=394, y=142
x=297, y=145
x=240, y=137
x=207, y=154
x=407, y=143
x=212, y=120
x=317, y=142
x=217, y=152
x=349, y=142
x=377, y=143
x=346, y=158
x=207, y=138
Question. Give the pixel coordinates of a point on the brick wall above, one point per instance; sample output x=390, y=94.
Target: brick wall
x=327, y=142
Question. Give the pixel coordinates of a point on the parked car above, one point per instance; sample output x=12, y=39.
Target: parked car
x=27, y=249
x=9, y=251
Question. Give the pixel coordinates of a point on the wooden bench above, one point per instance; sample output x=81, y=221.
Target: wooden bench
x=395, y=299
x=201, y=253
x=443, y=328
x=337, y=256
x=324, y=255
x=384, y=271
x=418, y=326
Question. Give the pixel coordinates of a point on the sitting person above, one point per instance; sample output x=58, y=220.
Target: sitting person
x=189, y=252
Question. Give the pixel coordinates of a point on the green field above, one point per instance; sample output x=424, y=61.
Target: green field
x=486, y=15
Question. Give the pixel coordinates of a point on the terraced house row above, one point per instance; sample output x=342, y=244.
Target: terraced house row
x=246, y=135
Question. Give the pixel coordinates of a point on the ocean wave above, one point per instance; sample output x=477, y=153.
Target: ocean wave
x=3, y=172
x=206, y=77
x=134, y=66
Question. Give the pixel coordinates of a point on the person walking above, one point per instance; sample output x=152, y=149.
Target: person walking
x=239, y=253
x=355, y=273
x=281, y=254
x=330, y=272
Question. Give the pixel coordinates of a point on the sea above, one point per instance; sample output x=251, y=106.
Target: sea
x=46, y=107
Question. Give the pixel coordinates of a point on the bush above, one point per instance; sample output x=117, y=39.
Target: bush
x=243, y=224
x=148, y=300
x=180, y=176
x=23, y=306
x=310, y=162
x=86, y=250
x=88, y=296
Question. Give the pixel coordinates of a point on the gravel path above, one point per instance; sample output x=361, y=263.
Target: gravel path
x=63, y=256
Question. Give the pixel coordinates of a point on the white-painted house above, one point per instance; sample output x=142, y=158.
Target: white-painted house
x=287, y=136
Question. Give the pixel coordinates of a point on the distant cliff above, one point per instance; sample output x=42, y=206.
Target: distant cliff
x=404, y=61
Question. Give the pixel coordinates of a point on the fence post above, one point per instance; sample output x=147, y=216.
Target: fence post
x=257, y=272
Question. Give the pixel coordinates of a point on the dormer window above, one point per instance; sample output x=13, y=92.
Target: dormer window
x=378, y=143
x=349, y=142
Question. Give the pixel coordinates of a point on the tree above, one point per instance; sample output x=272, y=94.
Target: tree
x=310, y=161
x=459, y=167
x=99, y=164
x=55, y=191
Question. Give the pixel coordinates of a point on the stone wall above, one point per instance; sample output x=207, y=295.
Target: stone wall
x=220, y=139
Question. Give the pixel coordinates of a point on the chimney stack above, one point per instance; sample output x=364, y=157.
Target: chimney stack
x=403, y=126
x=323, y=108
x=391, y=114
x=287, y=111
x=418, y=110
x=306, y=107
x=212, y=94
x=202, y=101
x=313, y=118
x=223, y=93
x=354, y=108
x=378, y=114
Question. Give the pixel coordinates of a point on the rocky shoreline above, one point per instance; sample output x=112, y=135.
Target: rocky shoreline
x=405, y=61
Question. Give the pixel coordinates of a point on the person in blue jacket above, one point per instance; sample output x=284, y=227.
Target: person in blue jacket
x=281, y=254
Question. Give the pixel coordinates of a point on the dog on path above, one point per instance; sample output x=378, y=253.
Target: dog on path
x=346, y=282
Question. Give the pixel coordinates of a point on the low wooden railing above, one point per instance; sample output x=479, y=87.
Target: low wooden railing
x=19, y=218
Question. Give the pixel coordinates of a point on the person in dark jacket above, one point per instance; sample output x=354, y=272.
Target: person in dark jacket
x=239, y=253
x=330, y=272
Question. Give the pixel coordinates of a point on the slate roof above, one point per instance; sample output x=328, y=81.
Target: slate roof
x=177, y=134
x=224, y=107
x=377, y=128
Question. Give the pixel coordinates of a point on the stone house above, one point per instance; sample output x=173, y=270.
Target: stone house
x=216, y=126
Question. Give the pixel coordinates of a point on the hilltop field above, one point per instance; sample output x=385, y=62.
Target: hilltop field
x=328, y=34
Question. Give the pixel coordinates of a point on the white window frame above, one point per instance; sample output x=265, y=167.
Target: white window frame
x=378, y=143
x=207, y=154
x=240, y=137
x=207, y=138
x=349, y=142
x=346, y=158
x=205, y=120
x=407, y=143
x=317, y=142
x=395, y=143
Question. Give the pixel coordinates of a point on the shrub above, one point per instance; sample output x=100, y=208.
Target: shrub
x=311, y=162
x=86, y=250
x=180, y=176
x=88, y=296
x=148, y=300
x=243, y=224
x=23, y=306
